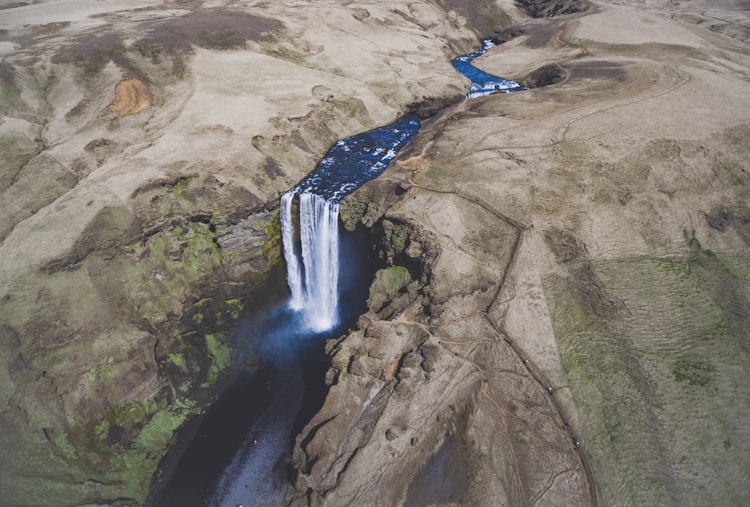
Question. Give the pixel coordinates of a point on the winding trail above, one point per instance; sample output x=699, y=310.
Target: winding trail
x=565, y=36
x=520, y=354
x=420, y=164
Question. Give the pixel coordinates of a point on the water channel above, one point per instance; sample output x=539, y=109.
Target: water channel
x=240, y=452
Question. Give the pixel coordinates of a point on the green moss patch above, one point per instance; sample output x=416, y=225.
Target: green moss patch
x=135, y=464
x=218, y=349
x=695, y=373
x=387, y=284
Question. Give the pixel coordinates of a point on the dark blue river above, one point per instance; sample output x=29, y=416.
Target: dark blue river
x=354, y=161
x=481, y=82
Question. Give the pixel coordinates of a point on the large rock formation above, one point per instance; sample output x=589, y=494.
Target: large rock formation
x=576, y=253
x=143, y=153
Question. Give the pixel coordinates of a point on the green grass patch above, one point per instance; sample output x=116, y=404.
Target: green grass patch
x=217, y=347
x=695, y=373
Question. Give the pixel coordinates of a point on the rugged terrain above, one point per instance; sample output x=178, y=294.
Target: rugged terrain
x=144, y=148
x=574, y=253
x=587, y=237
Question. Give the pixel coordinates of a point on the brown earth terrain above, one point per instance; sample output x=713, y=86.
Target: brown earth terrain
x=563, y=309
x=572, y=261
x=131, y=97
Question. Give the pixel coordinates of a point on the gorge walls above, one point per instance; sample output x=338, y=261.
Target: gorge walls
x=144, y=152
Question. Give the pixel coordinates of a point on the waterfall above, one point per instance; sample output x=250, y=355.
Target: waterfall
x=319, y=234
x=313, y=282
x=312, y=250
x=293, y=268
x=312, y=255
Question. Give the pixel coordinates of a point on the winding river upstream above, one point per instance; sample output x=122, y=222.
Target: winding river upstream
x=240, y=453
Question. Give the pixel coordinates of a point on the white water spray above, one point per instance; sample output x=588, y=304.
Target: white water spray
x=293, y=268
x=313, y=282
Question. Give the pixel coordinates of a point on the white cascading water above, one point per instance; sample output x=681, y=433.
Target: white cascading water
x=314, y=282
x=293, y=268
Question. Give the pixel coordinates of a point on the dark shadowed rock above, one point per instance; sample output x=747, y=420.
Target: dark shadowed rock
x=551, y=8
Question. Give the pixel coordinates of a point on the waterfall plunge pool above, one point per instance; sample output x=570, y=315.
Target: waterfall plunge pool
x=240, y=451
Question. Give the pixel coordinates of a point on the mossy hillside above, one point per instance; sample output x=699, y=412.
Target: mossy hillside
x=130, y=441
x=153, y=285
x=211, y=313
x=141, y=458
x=171, y=262
x=218, y=349
x=93, y=406
x=397, y=237
x=141, y=432
x=178, y=259
x=386, y=285
x=660, y=379
x=110, y=407
x=271, y=228
x=191, y=196
x=393, y=238
x=351, y=212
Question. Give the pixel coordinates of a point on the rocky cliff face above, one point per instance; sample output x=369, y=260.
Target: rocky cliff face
x=431, y=401
x=143, y=152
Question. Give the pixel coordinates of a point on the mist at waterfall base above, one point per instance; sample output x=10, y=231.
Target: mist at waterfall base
x=240, y=453
x=293, y=355
x=290, y=336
